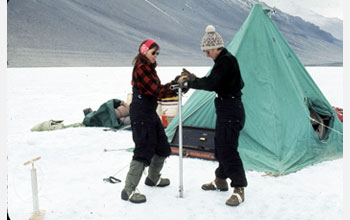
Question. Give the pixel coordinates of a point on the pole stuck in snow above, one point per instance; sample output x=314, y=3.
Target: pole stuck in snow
x=37, y=214
x=181, y=187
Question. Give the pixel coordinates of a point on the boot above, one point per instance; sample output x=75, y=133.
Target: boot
x=132, y=180
x=153, y=178
x=237, y=197
x=217, y=184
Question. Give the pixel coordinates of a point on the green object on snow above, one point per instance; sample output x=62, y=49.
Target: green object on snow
x=105, y=116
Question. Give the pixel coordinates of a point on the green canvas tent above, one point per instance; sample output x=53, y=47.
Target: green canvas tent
x=289, y=122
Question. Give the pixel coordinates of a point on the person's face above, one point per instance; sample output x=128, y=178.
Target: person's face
x=212, y=53
x=152, y=55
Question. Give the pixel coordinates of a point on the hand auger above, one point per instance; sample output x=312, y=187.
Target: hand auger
x=179, y=87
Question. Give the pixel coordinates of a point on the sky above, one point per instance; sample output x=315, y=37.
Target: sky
x=327, y=8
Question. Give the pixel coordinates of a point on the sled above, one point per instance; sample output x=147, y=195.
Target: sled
x=197, y=142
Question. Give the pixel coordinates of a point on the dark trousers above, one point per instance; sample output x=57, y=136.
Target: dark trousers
x=147, y=130
x=230, y=121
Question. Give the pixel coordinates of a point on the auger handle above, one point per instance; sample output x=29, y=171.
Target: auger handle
x=32, y=161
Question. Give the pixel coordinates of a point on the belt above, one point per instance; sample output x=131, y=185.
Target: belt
x=225, y=97
x=142, y=96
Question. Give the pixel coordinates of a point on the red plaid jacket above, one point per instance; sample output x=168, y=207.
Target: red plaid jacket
x=147, y=82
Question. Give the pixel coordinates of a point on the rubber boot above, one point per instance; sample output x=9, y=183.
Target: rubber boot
x=237, y=197
x=217, y=184
x=132, y=180
x=153, y=178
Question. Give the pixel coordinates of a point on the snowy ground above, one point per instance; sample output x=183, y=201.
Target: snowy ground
x=73, y=162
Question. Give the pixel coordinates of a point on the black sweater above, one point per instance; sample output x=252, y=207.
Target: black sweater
x=225, y=77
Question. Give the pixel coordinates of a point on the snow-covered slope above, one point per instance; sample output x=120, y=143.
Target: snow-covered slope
x=333, y=25
x=108, y=32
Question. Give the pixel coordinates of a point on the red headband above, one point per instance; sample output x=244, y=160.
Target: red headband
x=145, y=46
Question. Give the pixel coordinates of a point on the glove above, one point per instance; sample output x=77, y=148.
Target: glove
x=185, y=85
x=174, y=81
x=183, y=81
x=185, y=72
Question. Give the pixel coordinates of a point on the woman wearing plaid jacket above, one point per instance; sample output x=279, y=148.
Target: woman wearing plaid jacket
x=151, y=143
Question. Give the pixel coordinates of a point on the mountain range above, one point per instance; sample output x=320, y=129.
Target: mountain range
x=108, y=32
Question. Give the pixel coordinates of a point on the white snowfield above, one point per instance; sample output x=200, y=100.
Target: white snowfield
x=73, y=161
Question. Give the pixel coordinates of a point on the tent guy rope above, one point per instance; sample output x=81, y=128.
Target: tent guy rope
x=332, y=129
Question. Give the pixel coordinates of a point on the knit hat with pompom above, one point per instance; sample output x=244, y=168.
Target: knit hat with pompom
x=211, y=39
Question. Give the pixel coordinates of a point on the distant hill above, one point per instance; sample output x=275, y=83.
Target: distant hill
x=332, y=25
x=108, y=32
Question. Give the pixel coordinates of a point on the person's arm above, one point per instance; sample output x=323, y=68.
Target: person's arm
x=212, y=82
x=150, y=84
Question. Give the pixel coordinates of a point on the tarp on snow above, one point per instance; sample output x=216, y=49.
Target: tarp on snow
x=105, y=116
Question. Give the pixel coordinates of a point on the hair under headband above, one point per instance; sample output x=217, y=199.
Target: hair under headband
x=145, y=46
